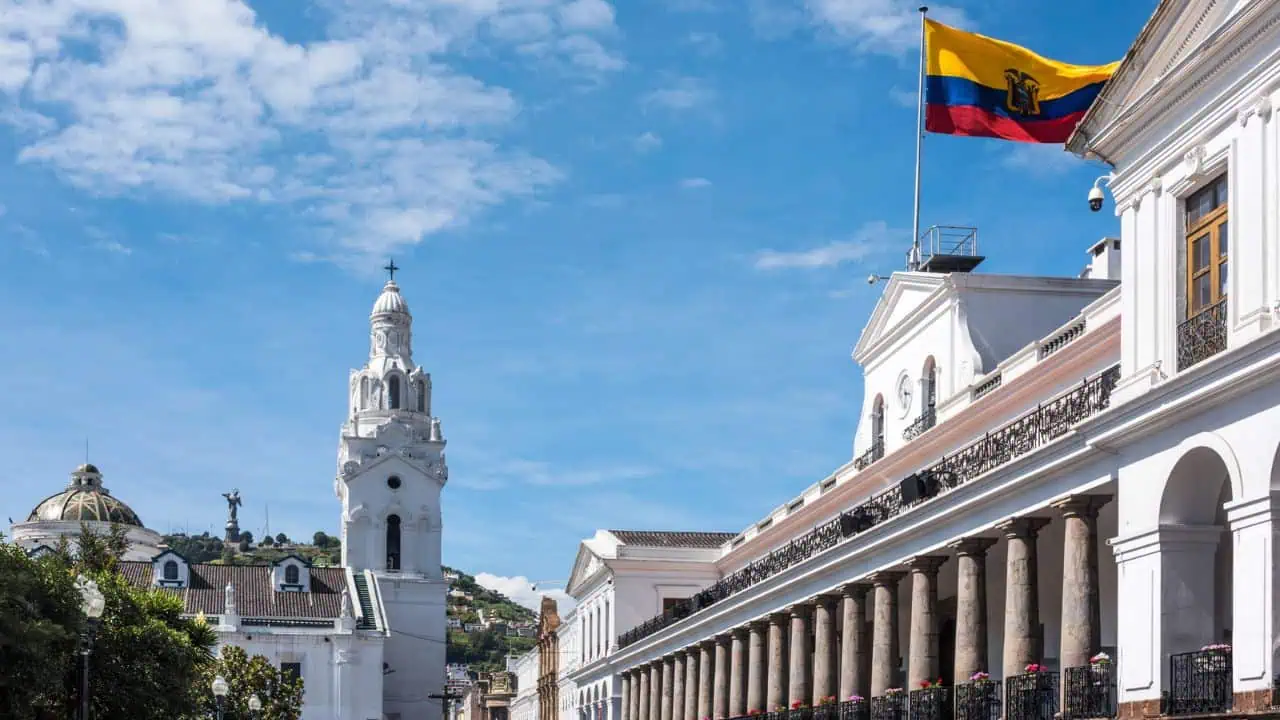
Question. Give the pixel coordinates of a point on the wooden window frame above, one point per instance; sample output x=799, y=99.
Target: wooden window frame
x=1208, y=226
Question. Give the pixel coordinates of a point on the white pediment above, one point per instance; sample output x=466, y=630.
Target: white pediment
x=904, y=293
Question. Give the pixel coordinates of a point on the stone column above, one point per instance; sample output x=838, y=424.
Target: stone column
x=625, y=679
x=637, y=692
x=646, y=684
x=1022, y=594
x=824, y=647
x=678, y=687
x=691, y=684
x=738, y=673
x=668, y=684
x=757, y=677
x=720, y=687
x=777, y=693
x=971, y=607
x=884, y=645
x=855, y=652
x=706, y=676
x=923, y=662
x=800, y=662
x=1081, y=613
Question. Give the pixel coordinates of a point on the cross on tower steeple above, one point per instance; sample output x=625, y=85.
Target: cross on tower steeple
x=391, y=269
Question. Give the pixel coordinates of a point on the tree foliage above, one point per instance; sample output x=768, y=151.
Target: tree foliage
x=280, y=693
x=39, y=620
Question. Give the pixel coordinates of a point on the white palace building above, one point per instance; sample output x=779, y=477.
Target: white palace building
x=1064, y=492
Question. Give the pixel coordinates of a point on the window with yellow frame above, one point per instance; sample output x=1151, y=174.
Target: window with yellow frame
x=1207, y=237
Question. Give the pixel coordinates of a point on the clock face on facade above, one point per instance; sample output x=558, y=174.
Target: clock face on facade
x=904, y=393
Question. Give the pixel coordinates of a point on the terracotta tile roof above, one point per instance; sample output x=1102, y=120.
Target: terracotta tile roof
x=255, y=598
x=663, y=538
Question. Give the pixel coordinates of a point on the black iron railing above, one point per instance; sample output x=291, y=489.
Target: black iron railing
x=927, y=419
x=932, y=703
x=873, y=453
x=978, y=701
x=825, y=711
x=1089, y=692
x=1043, y=425
x=1202, y=336
x=889, y=707
x=1199, y=682
x=800, y=713
x=858, y=709
x=1033, y=696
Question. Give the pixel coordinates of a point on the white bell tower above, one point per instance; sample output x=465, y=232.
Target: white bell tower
x=391, y=469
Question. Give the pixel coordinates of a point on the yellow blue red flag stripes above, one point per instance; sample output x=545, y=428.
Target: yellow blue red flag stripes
x=979, y=86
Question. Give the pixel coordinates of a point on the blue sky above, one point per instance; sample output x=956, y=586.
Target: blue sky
x=634, y=238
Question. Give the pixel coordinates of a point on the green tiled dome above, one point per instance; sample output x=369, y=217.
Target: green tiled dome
x=84, y=500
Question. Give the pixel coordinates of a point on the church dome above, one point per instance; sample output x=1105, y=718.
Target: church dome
x=84, y=500
x=390, y=301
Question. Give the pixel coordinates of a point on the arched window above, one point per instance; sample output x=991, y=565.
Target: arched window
x=171, y=570
x=291, y=575
x=421, y=393
x=930, y=388
x=608, y=633
x=364, y=392
x=393, y=392
x=393, y=542
x=877, y=427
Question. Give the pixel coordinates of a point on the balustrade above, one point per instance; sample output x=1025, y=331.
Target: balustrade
x=1199, y=682
x=1089, y=692
x=889, y=707
x=978, y=700
x=931, y=703
x=1202, y=336
x=1031, y=696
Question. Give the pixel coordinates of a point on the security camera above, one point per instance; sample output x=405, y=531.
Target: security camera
x=872, y=279
x=1095, y=198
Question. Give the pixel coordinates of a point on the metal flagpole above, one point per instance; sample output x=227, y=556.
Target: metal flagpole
x=913, y=261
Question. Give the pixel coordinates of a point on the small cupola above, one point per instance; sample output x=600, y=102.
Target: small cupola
x=291, y=573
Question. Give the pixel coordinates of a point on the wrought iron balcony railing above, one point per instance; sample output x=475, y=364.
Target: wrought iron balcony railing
x=1089, y=692
x=978, y=701
x=889, y=707
x=927, y=419
x=858, y=709
x=932, y=703
x=1046, y=423
x=873, y=453
x=1199, y=682
x=1033, y=696
x=1202, y=336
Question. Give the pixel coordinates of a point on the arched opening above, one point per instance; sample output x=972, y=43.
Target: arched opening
x=291, y=575
x=420, y=393
x=171, y=570
x=364, y=392
x=1196, y=564
x=929, y=389
x=393, y=392
x=393, y=542
x=877, y=427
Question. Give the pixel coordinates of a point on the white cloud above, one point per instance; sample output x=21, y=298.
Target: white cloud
x=1039, y=160
x=706, y=43
x=113, y=246
x=695, y=183
x=370, y=130
x=521, y=590
x=647, y=142
x=890, y=27
x=905, y=98
x=684, y=93
x=871, y=238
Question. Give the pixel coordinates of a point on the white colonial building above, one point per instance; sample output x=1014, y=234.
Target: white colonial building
x=367, y=638
x=1062, y=500
x=525, y=669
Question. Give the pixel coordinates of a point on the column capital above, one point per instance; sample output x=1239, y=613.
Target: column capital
x=1085, y=506
x=757, y=624
x=801, y=609
x=855, y=590
x=779, y=618
x=709, y=643
x=1023, y=527
x=972, y=547
x=828, y=600
x=928, y=564
x=885, y=578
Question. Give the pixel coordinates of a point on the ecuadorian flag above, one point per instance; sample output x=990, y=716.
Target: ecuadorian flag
x=979, y=86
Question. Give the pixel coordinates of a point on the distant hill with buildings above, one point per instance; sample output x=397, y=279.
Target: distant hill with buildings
x=485, y=626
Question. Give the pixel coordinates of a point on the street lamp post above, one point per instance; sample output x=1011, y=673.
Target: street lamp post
x=219, y=693
x=92, y=603
x=255, y=706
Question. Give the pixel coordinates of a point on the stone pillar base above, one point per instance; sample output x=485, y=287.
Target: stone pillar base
x=1252, y=700
x=1138, y=709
